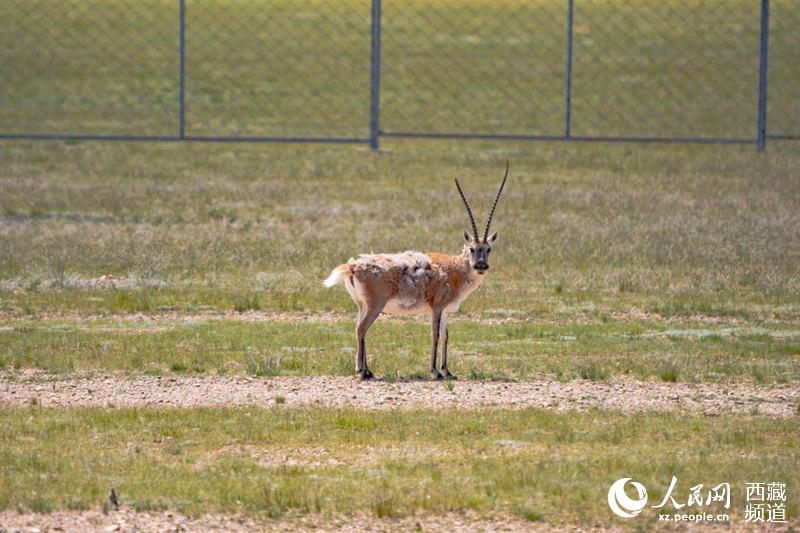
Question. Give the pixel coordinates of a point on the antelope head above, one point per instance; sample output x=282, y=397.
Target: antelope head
x=476, y=248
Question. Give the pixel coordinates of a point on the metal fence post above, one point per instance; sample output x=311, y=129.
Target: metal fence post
x=182, y=70
x=568, y=82
x=375, y=76
x=761, y=140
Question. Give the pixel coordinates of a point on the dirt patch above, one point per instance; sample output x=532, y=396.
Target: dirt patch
x=118, y=390
x=126, y=520
x=361, y=456
x=492, y=317
x=649, y=316
x=75, y=281
x=174, y=317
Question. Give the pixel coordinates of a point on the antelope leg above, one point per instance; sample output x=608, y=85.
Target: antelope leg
x=436, y=320
x=446, y=373
x=361, y=331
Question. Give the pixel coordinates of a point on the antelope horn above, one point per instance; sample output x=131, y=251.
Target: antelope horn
x=469, y=211
x=496, y=198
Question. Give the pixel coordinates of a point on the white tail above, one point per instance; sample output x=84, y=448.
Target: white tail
x=337, y=276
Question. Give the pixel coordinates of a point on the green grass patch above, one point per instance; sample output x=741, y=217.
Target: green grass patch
x=670, y=372
x=399, y=349
x=593, y=371
x=541, y=465
x=585, y=231
x=246, y=303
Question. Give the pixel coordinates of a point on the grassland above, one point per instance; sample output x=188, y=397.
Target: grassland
x=675, y=230
x=671, y=263
x=665, y=263
x=535, y=464
x=512, y=351
x=633, y=259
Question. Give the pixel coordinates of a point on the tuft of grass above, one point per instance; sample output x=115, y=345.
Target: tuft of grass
x=280, y=400
x=669, y=373
x=626, y=285
x=179, y=367
x=761, y=376
x=384, y=503
x=593, y=371
x=486, y=374
x=246, y=303
x=264, y=364
x=127, y=302
x=529, y=514
x=39, y=506
x=416, y=375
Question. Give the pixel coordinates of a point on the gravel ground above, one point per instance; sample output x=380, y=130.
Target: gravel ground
x=118, y=390
x=126, y=520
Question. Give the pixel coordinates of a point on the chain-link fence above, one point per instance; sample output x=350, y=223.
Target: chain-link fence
x=358, y=70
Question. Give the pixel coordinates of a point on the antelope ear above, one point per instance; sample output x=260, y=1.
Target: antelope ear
x=467, y=237
x=492, y=238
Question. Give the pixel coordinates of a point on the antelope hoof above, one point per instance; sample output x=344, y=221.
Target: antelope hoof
x=365, y=374
x=436, y=374
x=447, y=375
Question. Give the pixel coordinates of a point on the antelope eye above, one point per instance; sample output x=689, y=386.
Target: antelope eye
x=488, y=250
x=472, y=250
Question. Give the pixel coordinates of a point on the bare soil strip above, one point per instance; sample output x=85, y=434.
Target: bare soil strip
x=118, y=390
x=343, y=315
x=126, y=520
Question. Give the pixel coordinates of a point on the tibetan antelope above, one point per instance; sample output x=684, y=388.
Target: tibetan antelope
x=414, y=283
